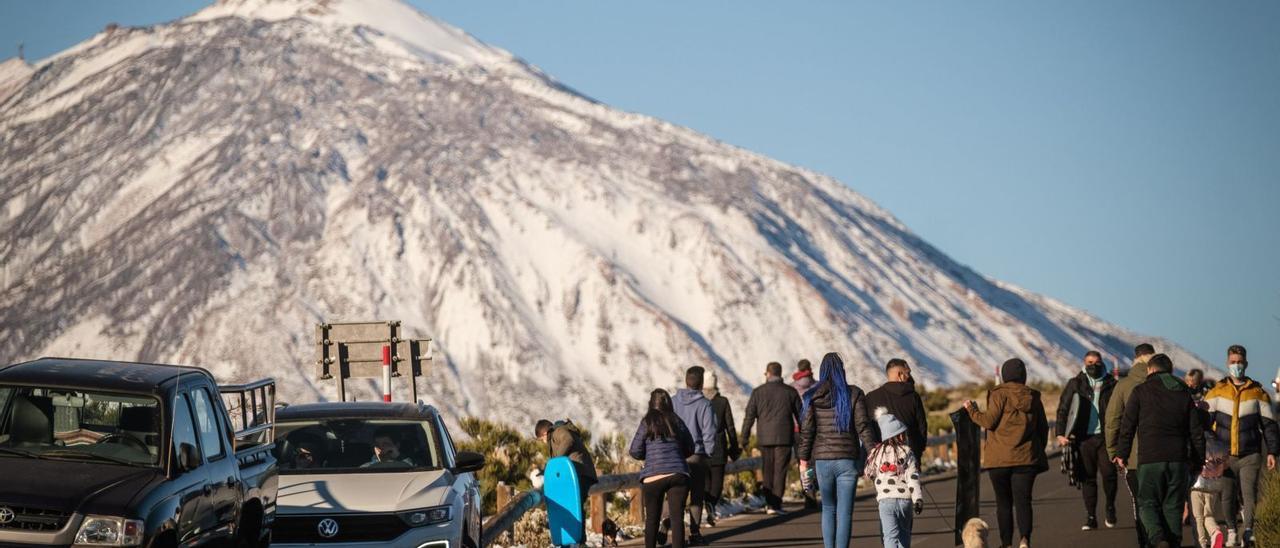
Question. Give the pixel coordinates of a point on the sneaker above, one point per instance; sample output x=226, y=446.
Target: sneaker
x=709, y=515
x=1090, y=524
x=1024, y=543
x=1110, y=521
x=771, y=511
x=1248, y=537
x=696, y=540
x=661, y=537
x=1231, y=537
x=1216, y=540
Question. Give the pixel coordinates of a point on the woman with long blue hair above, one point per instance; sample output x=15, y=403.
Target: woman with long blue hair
x=834, y=420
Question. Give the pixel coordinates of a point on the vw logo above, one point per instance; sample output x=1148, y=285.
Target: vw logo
x=6, y=514
x=328, y=528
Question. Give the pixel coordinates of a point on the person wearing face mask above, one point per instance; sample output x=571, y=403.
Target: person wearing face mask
x=1081, y=422
x=1242, y=418
x=898, y=395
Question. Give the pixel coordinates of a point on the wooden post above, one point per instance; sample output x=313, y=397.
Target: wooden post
x=637, y=507
x=597, y=513
x=504, y=495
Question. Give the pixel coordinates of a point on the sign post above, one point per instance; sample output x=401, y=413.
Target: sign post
x=347, y=350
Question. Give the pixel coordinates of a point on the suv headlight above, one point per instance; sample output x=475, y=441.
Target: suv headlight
x=110, y=531
x=427, y=516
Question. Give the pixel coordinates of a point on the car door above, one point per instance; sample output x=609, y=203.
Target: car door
x=465, y=485
x=189, y=485
x=220, y=462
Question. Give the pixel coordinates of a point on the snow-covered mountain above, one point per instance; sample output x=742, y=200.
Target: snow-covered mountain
x=207, y=190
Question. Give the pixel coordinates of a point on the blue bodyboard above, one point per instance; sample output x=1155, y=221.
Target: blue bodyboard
x=564, y=502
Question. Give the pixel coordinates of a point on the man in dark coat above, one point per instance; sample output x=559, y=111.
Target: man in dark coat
x=899, y=396
x=1082, y=423
x=726, y=444
x=1161, y=414
x=563, y=439
x=777, y=407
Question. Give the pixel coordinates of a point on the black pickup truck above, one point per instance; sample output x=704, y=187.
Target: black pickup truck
x=102, y=453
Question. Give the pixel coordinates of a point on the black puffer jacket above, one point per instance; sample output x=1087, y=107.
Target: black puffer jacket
x=1079, y=390
x=903, y=402
x=819, y=438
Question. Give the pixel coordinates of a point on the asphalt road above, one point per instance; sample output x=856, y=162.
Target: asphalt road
x=1058, y=511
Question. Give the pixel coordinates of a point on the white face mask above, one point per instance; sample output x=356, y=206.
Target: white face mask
x=1236, y=370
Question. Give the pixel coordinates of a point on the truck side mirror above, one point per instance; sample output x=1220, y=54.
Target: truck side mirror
x=466, y=461
x=188, y=458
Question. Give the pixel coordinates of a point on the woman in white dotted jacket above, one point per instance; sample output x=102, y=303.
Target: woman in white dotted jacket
x=893, y=468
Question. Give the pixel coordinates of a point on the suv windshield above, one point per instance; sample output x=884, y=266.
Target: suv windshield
x=356, y=445
x=62, y=423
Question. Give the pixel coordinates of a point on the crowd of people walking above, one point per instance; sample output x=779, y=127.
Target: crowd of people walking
x=1184, y=448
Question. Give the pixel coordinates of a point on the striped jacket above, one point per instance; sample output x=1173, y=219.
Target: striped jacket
x=1242, y=418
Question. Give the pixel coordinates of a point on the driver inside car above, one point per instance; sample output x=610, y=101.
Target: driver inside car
x=386, y=449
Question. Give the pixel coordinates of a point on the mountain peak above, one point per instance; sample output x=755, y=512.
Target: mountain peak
x=404, y=27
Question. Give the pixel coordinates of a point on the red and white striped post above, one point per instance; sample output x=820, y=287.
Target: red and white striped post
x=386, y=373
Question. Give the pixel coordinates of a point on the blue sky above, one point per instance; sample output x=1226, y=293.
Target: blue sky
x=1123, y=157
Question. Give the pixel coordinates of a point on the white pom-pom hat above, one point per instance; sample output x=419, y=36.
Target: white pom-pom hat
x=890, y=426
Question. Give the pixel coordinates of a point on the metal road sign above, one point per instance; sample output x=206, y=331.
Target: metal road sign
x=347, y=350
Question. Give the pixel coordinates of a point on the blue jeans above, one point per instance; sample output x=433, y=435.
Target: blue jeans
x=895, y=522
x=837, y=480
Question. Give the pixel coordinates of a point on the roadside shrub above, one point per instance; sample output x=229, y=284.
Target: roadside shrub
x=508, y=457
x=1266, y=519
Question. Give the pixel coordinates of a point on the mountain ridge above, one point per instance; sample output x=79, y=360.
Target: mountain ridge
x=207, y=190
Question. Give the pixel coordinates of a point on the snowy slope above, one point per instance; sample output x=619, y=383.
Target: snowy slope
x=206, y=191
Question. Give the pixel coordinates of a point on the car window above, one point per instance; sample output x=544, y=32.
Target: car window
x=206, y=424
x=184, y=431
x=77, y=424
x=344, y=445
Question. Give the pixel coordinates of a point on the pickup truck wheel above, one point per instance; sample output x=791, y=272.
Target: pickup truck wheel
x=249, y=534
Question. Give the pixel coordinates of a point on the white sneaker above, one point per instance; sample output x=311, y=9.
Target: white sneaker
x=1231, y=537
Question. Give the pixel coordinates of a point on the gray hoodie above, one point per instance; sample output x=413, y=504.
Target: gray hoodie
x=695, y=410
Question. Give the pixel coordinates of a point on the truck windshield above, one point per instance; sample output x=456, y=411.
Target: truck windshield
x=71, y=424
x=356, y=445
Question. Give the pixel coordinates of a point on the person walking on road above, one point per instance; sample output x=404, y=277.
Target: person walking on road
x=1242, y=416
x=898, y=395
x=663, y=443
x=893, y=468
x=695, y=410
x=1111, y=425
x=1013, y=453
x=1081, y=419
x=1161, y=414
x=802, y=379
x=833, y=432
x=1206, y=494
x=726, y=445
x=777, y=407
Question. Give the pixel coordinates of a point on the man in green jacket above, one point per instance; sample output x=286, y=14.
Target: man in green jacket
x=1114, y=413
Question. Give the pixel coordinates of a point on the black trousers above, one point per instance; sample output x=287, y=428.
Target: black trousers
x=1013, y=488
x=1131, y=481
x=1093, y=456
x=777, y=459
x=698, y=472
x=674, y=488
x=715, y=484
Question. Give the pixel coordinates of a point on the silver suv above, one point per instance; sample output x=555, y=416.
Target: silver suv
x=373, y=474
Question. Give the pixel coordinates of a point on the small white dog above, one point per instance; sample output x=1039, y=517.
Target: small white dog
x=974, y=534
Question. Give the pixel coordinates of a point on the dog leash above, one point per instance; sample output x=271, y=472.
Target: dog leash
x=935, y=506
